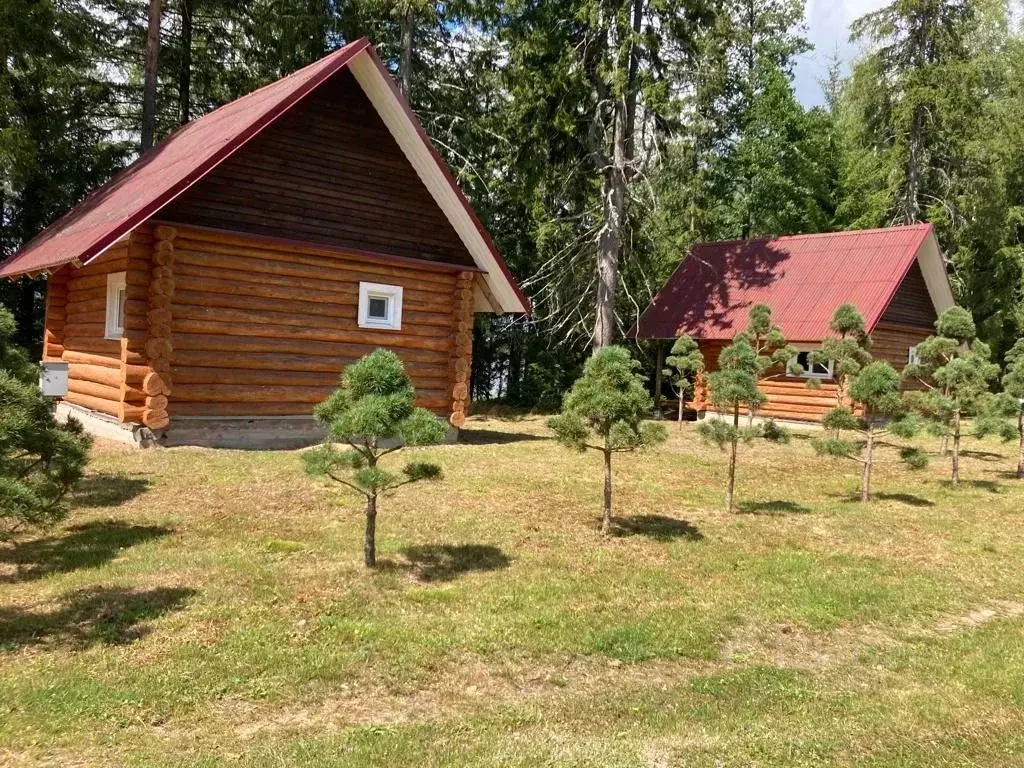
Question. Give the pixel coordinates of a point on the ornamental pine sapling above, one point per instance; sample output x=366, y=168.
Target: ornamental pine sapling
x=605, y=411
x=372, y=412
x=683, y=365
x=775, y=356
x=875, y=391
x=732, y=388
x=1003, y=414
x=848, y=350
x=954, y=374
x=41, y=460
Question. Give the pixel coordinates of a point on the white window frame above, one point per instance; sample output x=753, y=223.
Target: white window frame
x=392, y=294
x=116, y=297
x=912, y=357
x=807, y=372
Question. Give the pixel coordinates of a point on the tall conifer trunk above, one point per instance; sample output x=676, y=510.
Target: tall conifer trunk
x=150, y=72
x=185, y=75
x=405, y=54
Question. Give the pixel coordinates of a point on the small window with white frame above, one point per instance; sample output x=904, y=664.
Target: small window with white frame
x=116, y=293
x=912, y=357
x=380, y=306
x=813, y=370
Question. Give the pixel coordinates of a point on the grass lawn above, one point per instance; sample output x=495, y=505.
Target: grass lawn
x=209, y=607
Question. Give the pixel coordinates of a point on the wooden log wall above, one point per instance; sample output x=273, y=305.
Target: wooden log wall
x=462, y=351
x=264, y=328
x=97, y=366
x=56, y=314
x=789, y=398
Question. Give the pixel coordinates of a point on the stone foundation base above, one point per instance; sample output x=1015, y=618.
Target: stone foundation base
x=263, y=433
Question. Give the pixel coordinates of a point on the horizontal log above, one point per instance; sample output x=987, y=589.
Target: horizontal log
x=131, y=413
x=98, y=374
x=299, y=335
x=110, y=407
x=156, y=403
x=325, y=273
x=94, y=345
x=215, y=410
x=156, y=384
x=233, y=239
x=155, y=419
x=332, y=351
x=230, y=393
x=54, y=352
x=299, y=302
x=91, y=388
x=363, y=268
x=87, y=358
x=230, y=361
x=281, y=377
x=207, y=281
x=413, y=323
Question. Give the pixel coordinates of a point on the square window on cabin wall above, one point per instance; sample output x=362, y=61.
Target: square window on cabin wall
x=116, y=293
x=912, y=357
x=813, y=370
x=380, y=306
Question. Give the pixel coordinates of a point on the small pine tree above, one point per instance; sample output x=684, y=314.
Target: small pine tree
x=876, y=390
x=1003, y=414
x=733, y=387
x=955, y=371
x=605, y=411
x=372, y=412
x=40, y=459
x=684, y=364
x=775, y=356
x=848, y=350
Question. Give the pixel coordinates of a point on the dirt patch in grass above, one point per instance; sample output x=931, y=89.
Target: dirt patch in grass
x=994, y=611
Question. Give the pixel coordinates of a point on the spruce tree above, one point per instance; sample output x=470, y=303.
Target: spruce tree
x=41, y=460
x=372, y=413
x=733, y=388
x=684, y=364
x=605, y=411
x=953, y=374
x=874, y=391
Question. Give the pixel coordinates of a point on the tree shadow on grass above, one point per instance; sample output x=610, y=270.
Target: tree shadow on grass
x=106, y=490
x=774, y=507
x=91, y=616
x=982, y=455
x=658, y=527
x=982, y=485
x=444, y=562
x=89, y=545
x=904, y=498
x=494, y=437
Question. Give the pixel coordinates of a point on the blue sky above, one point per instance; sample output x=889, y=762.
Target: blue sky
x=828, y=29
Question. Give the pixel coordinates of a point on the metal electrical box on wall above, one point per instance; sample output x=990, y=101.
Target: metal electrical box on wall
x=53, y=379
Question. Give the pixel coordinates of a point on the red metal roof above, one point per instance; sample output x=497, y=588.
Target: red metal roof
x=803, y=278
x=163, y=173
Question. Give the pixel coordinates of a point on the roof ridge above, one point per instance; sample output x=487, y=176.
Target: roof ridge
x=808, y=235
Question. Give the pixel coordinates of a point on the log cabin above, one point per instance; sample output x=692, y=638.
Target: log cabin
x=896, y=277
x=213, y=291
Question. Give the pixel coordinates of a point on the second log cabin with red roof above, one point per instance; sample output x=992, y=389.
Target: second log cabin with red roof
x=895, y=277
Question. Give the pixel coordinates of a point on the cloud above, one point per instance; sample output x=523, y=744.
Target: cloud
x=828, y=29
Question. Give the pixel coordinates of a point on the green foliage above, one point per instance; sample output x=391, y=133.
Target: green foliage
x=955, y=370
x=608, y=403
x=848, y=350
x=684, y=363
x=734, y=384
x=372, y=412
x=40, y=460
x=774, y=355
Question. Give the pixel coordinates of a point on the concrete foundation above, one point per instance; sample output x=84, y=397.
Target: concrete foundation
x=107, y=427
x=791, y=423
x=251, y=433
